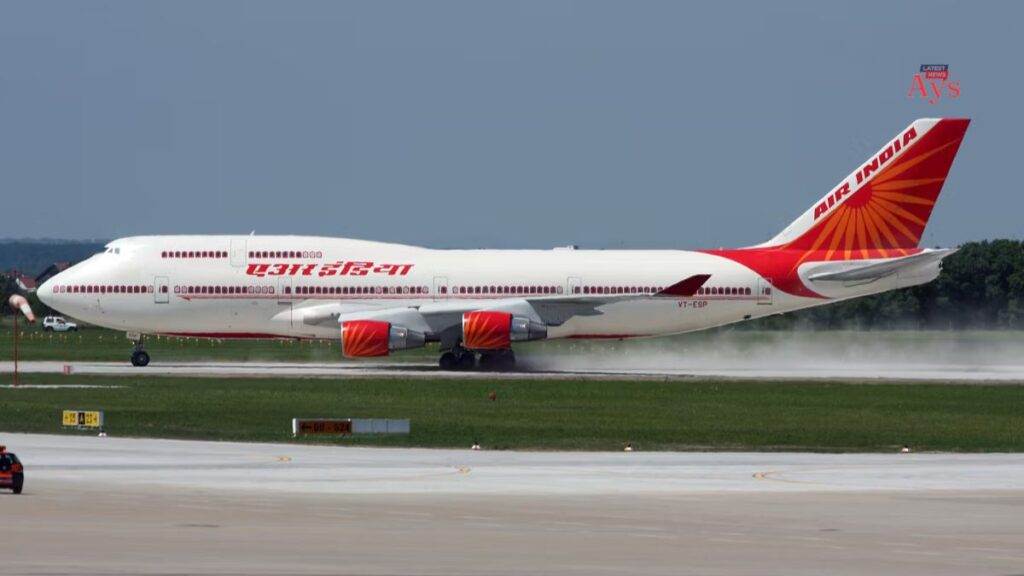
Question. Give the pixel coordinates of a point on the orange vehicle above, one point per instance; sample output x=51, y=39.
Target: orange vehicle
x=12, y=473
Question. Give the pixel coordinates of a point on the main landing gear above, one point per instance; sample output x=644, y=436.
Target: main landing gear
x=457, y=358
x=461, y=359
x=140, y=357
x=498, y=361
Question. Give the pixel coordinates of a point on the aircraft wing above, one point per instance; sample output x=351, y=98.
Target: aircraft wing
x=556, y=311
x=436, y=317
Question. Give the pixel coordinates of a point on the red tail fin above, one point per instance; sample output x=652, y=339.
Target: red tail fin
x=881, y=209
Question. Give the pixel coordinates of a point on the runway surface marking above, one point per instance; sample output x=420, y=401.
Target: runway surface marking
x=298, y=468
x=889, y=372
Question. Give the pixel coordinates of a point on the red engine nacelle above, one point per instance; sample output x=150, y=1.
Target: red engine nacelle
x=369, y=338
x=492, y=330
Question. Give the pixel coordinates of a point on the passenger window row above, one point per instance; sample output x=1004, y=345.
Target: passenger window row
x=705, y=291
x=417, y=290
x=103, y=289
x=223, y=290
x=263, y=254
x=510, y=290
x=194, y=254
x=619, y=289
x=352, y=290
x=723, y=291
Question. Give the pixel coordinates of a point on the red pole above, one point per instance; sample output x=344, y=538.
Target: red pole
x=16, y=347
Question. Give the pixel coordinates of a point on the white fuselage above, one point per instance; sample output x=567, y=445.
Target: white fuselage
x=271, y=286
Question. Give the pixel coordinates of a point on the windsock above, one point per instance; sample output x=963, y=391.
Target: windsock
x=17, y=301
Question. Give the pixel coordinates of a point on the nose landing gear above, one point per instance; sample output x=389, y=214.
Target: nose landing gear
x=140, y=357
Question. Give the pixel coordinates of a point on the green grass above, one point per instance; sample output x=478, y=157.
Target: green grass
x=544, y=415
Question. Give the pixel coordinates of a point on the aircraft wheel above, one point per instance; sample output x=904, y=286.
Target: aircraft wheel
x=498, y=361
x=508, y=361
x=467, y=361
x=448, y=361
x=140, y=358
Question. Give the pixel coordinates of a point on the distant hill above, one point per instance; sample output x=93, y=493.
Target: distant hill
x=33, y=256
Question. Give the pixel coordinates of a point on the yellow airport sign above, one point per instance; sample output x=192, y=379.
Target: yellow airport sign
x=83, y=418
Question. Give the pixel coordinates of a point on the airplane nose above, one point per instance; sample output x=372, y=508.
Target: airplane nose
x=45, y=292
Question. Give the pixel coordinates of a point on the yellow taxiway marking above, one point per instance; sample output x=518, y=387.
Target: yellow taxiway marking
x=770, y=475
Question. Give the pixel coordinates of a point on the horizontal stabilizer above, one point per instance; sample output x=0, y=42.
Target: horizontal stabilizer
x=868, y=272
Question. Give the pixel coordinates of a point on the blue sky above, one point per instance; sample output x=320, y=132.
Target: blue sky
x=489, y=123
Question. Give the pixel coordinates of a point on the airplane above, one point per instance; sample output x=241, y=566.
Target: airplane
x=863, y=237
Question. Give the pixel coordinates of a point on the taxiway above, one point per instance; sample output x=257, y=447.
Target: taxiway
x=118, y=505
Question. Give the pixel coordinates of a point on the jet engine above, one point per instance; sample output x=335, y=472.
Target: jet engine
x=368, y=338
x=493, y=330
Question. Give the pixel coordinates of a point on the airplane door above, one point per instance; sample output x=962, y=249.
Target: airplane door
x=574, y=285
x=161, y=290
x=238, y=254
x=440, y=288
x=284, y=296
x=764, y=291
x=284, y=290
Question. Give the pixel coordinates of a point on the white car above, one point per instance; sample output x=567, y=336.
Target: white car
x=58, y=324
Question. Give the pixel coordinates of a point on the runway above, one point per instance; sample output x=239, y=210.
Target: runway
x=889, y=372
x=112, y=505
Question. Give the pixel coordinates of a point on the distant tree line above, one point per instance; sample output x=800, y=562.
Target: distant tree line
x=33, y=256
x=981, y=287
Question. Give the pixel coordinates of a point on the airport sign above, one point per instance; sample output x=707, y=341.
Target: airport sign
x=83, y=418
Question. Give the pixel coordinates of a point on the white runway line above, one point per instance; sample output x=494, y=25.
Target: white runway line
x=909, y=372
